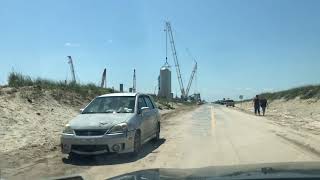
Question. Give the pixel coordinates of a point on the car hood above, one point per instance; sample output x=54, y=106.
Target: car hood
x=99, y=120
x=297, y=170
x=238, y=172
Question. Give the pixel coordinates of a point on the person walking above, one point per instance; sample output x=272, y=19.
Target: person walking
x=256, y=105
x=263, y=104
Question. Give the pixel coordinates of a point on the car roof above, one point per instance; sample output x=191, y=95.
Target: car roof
x=119, y=94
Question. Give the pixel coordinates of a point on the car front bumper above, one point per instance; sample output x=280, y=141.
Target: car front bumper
x=91, y=145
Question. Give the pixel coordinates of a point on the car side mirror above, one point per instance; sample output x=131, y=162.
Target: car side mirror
x=143, y=110
x=81, y=110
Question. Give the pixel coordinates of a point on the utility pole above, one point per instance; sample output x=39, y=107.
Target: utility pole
x=134, y=88
x=72, y=69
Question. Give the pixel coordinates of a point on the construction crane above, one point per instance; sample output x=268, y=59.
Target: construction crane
x=72, y=69
x=194, y=71
x=134, y=81
x=175, y=58
x=193, y=75
x=104, y=79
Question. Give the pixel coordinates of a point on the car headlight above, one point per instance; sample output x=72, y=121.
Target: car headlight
x=119, y=128
x=68, y=130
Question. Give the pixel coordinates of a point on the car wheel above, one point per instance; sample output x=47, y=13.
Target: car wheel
x=136, y=143
x=155, y=139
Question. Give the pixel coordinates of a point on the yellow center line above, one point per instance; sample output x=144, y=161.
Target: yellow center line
x=213, y=122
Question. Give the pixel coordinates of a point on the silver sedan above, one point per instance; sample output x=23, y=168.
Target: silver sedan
x=118, y=122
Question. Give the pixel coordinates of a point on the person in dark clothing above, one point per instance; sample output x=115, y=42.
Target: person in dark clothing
x=256, y=105
x=263, y=104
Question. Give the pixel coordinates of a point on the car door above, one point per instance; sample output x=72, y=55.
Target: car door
x=144, y=125
x=153, y=115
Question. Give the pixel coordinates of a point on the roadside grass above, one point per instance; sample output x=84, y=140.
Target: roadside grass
x=303, y=92
x=164, y=103
x=85, y=90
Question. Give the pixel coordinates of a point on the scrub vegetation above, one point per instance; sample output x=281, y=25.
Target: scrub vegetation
x=303, y=92
x=18, y=80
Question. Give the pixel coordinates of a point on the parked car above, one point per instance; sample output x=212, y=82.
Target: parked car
x=118, y=122
x=229, y=103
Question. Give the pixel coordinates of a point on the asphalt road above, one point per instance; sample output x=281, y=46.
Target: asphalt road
x=210, y=135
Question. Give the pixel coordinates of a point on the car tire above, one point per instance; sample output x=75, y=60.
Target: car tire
x=157, y=137
x=136, y=143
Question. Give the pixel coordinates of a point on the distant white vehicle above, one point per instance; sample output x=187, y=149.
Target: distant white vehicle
x=119, y=122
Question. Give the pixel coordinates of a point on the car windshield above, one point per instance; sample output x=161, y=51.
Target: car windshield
x=114, y=104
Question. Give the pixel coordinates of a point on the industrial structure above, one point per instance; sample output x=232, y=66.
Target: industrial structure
x=175, y=57
x=191, y=78
x=104, y=79
x=164, y=80
x=73, y=75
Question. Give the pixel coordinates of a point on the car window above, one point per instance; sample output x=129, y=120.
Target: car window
x=153, y=102
x=149, y=103
x=141, y=102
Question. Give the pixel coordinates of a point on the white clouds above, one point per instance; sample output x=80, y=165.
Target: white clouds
x=258, y=90
x=245, y=89
x=69, y=44
x=73, y=44
x=268, y=90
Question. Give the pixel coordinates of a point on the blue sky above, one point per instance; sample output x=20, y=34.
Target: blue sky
x=242, y=47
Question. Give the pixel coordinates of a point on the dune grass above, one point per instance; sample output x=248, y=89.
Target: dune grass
x=303, y=92
x=19, y=80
